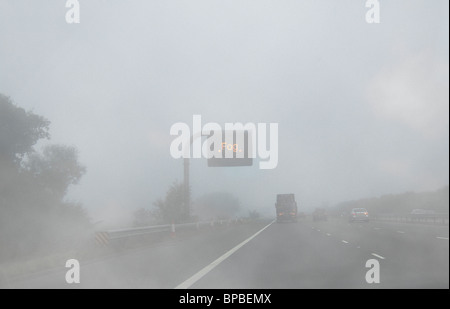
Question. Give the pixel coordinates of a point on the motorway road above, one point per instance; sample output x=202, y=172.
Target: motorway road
x=307, y=254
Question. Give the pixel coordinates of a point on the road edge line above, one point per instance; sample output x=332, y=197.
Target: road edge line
x=197, y=276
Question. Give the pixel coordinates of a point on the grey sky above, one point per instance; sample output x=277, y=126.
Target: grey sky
x=362, y=108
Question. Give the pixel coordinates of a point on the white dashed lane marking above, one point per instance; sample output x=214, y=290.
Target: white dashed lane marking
x=378, y=256
x=443, y=238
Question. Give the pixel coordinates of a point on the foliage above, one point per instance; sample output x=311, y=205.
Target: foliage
x=172, y=208
x=221, y=205
x=33, y=212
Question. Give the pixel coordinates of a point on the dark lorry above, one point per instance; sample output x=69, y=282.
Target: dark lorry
x=286, y=207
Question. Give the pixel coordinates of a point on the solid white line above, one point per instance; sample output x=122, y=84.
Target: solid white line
x=186, y=284
x=345, y=242
x=444, y=238
x=378, y=256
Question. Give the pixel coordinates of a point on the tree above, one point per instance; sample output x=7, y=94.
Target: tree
x=254, y=214
x=171, y=209
x=33, y=212
x=144, y=217
x=56, y=169
x=217, y=205
x=19, y=130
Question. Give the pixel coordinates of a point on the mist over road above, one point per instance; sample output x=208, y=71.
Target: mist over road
x=307, y=254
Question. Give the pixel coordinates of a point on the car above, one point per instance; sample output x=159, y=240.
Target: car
x=359, y=214
x=301, y=215
x=320, y=214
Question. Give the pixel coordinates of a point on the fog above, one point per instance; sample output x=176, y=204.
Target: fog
x=362, y=109
x=115, y=83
